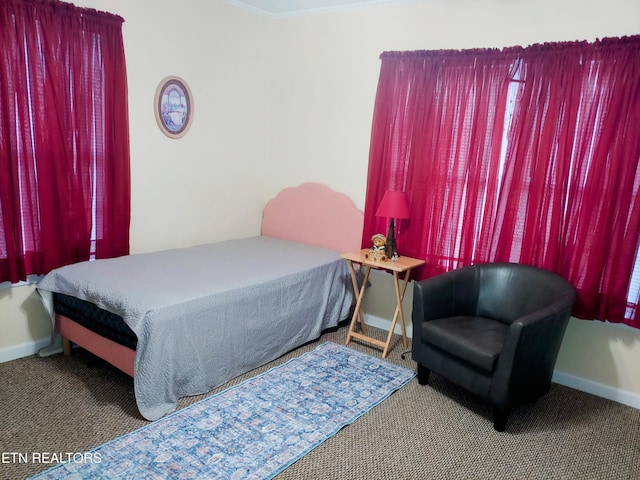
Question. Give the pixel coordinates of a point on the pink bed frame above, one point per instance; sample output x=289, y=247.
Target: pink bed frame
x=310, y=213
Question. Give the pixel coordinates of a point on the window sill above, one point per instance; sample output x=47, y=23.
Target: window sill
x=31, y=279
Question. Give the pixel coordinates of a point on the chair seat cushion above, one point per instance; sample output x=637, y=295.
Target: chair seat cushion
x=476, y=340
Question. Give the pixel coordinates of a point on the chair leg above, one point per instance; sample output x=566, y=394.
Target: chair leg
x=423, y=375
x=500, y=416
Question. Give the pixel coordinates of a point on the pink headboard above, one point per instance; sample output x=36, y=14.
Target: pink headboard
x=314, y=214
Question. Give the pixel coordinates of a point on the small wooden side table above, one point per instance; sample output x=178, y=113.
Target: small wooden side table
x=399, y=266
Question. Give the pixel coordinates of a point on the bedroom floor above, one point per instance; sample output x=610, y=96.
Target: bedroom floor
x=60, y=404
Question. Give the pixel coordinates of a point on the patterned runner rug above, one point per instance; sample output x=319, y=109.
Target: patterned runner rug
x=253, y=430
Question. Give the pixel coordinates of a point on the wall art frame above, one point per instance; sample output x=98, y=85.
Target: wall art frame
x=173, y=106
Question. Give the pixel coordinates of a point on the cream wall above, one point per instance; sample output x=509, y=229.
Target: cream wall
x=208, y=185
x=325, y=76
x=280, y=102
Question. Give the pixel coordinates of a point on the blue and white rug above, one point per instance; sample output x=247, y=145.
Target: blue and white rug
x=253, y=430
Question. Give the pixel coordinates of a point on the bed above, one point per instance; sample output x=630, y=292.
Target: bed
x=183, y=321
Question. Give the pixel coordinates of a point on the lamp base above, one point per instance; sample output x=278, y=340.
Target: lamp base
x=390, y=248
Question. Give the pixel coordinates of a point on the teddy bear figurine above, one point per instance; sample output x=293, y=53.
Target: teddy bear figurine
x=377, y=252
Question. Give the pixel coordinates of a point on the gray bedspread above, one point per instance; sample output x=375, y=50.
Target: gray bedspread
x=206, y=314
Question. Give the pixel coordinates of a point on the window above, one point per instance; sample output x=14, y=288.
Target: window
x=64, y=145
x=528, y=155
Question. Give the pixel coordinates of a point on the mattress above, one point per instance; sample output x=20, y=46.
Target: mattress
x=100, y=321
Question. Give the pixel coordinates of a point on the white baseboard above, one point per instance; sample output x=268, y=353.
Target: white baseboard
x=578, y=383
x=23, y=350
x=599, y=389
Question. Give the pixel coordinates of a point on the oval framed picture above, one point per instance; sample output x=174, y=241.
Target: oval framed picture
x=173, y=107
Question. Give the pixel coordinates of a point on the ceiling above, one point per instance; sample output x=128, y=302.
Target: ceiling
x=291, y=8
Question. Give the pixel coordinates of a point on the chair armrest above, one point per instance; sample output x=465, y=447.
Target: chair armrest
x=530, y=351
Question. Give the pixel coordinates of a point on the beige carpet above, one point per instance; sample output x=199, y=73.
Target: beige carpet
x=60, y=404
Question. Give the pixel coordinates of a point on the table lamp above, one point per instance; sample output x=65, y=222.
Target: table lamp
x=394, y=205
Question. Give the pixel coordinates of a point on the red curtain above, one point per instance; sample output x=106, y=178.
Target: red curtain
x=64, y=141
x=437, y=131
x=527, y=155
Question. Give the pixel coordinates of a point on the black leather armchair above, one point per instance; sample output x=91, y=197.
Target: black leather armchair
x=494, y=329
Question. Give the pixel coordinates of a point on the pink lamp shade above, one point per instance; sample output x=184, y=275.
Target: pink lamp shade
x=394, y=204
